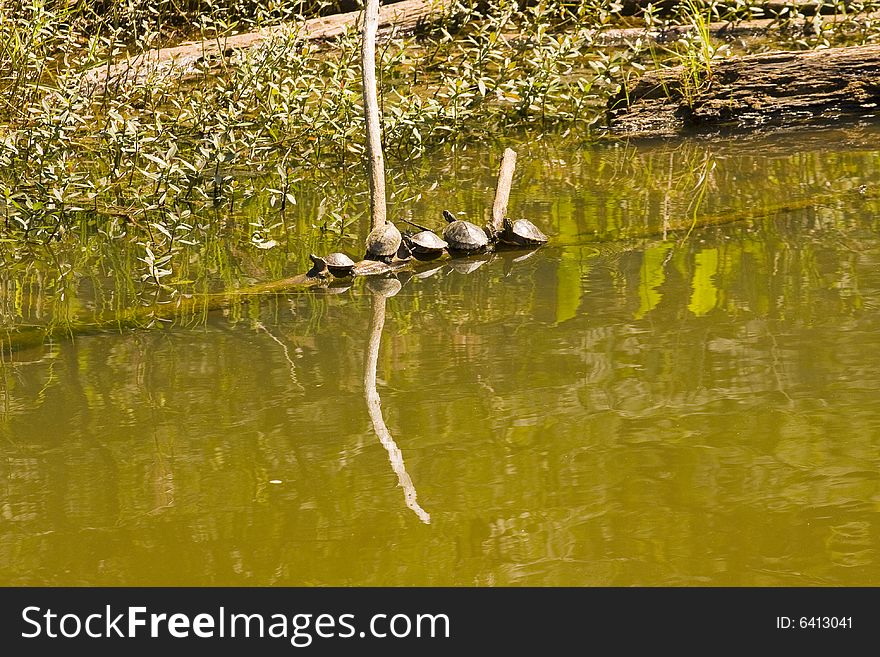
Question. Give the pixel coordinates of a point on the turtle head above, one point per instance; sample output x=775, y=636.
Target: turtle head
x=404, y=251
x=491, y=231
x=319, y=267
x=449, y=216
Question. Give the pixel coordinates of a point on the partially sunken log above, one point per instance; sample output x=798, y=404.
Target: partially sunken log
x=773, y=89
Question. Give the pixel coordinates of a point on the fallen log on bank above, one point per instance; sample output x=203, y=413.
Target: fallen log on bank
x=408, y=15
x=768, y=7
x=403, y=16
x=752, y=91
x=726, y=30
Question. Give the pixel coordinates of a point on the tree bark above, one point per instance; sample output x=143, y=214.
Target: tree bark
x=766, y=90
x=502, y=190
x=375, y=160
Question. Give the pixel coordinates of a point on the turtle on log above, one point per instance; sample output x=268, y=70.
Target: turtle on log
x=462, y=235
x=522, y=232
x=383, y=242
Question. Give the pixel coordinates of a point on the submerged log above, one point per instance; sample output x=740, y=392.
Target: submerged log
x=753, y=91
x=17, y=338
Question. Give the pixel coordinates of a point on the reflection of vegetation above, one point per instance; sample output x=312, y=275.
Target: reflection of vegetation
x=705, y=294
x=670, y=446
x=679, y=432
x=703, y=392
x=652, y=276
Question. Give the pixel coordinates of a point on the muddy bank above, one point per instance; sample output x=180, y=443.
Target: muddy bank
x=752, y=91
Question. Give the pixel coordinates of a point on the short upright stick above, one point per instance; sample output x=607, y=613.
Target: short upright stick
x=502, y=191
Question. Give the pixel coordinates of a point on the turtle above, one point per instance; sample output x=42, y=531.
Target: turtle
x=339, y=264
x=522, y=232
x=492, y=232
x=425, y=244
x=383, y=242
x=463, y=235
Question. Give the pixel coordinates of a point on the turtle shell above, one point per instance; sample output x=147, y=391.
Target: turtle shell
x=465, y=236
x=339, y=264
x=427, y=241
x=522, y=232
x=383, y=241
x=339, y=260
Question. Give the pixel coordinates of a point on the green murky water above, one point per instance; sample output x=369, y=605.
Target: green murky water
x=648, y=400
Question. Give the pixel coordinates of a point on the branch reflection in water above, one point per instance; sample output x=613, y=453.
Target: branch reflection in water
x=382, y=289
